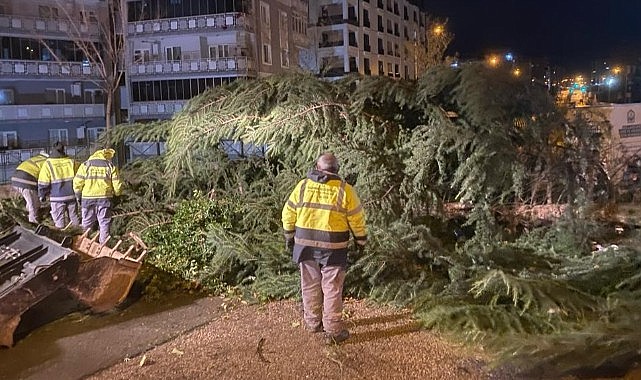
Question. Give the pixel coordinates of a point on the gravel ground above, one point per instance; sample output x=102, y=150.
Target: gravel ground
x=269, y=342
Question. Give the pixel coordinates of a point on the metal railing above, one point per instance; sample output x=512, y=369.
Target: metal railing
x=190, y=23
x=18, y=68
x=45, y=27
x=156, y=108
x=245, y=65
x=51, y=111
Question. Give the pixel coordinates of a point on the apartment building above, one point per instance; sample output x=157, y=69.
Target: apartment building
x=49, y=91
x=369, y=37
x=178, y=49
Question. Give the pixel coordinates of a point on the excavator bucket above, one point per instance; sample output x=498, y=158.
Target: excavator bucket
x=105, y=274
x=33, y=266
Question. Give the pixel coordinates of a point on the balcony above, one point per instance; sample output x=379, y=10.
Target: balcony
x=233, y=65
x=326, y=44
x=157, y=109
x=47, y=27
x=221, y=21
x=51, y=111
x=47, y=69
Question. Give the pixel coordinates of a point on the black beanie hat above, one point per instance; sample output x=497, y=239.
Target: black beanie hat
x=59, y=147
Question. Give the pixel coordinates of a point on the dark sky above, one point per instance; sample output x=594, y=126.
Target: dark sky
x=569, y=33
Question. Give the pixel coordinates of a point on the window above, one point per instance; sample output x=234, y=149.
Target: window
x=88, y=16
x=45, y=11
x=366, y=18
x=55, y=96
x=6, y=96
x=366, y=69
x=264, y=14
x=267, y=54
x=381, y=48
x=366, y=45
x=380, y=23
x=389, y=70
x=173, y=53
x=220, y=51
x=94, y=96
x=94, y=133
x=141, y=55
x=381, y=70
x=352, y=39
x=9, y=139
x=298, y=25
x=284, y=58
x=353, y=65
x=61, y=135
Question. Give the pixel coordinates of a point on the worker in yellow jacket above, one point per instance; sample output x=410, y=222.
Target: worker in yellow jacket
x=56, y=181
x=25, y=181
x=317, y=219
x=95, y=185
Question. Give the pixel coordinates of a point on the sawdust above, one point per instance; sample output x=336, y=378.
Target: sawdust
x=269, y=342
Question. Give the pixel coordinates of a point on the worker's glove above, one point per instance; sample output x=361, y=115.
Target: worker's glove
x=289, y=245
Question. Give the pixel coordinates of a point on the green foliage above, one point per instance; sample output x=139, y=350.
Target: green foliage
x=181, y=246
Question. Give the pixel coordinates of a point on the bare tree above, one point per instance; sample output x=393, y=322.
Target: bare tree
x=430, y=51
x=106, y=54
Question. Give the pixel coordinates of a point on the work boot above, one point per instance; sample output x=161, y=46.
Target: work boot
x=337, y=338
x=315, y=329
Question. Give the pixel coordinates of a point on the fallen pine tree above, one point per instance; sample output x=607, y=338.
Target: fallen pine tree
x=544, y=296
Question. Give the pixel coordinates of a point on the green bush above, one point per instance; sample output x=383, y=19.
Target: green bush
x=181, y=247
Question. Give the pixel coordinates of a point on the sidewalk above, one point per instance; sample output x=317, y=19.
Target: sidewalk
x=80, y=344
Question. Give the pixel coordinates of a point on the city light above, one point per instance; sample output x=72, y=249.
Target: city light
x=509, y=57
x=516, y=72
x=438, y=29
x=493, y=60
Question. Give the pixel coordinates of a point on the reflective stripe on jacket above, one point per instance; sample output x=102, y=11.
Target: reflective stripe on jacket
x=26, y=175
x=97, y=179
x=320, y=213
x=56, y=179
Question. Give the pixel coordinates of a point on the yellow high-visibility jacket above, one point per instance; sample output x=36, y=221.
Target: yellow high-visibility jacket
x=97, y=179
x=320, y=213
x=56, y=179
x=26, y=175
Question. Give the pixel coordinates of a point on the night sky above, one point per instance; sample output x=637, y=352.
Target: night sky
x=570, y=33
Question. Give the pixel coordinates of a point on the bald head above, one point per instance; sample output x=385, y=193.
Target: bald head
x=327, y=162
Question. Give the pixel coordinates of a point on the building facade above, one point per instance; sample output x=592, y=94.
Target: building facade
x=178, y=49
x=369, y=37
x=49, y=90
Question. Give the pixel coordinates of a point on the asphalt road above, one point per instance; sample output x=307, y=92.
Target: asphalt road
x=81, y=344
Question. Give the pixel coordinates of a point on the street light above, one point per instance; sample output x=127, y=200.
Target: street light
x=493, y=60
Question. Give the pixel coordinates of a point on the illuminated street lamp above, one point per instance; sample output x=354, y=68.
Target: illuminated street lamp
x=516, y=72
x=616, y=70
x=494, y=60
x=438, y=29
